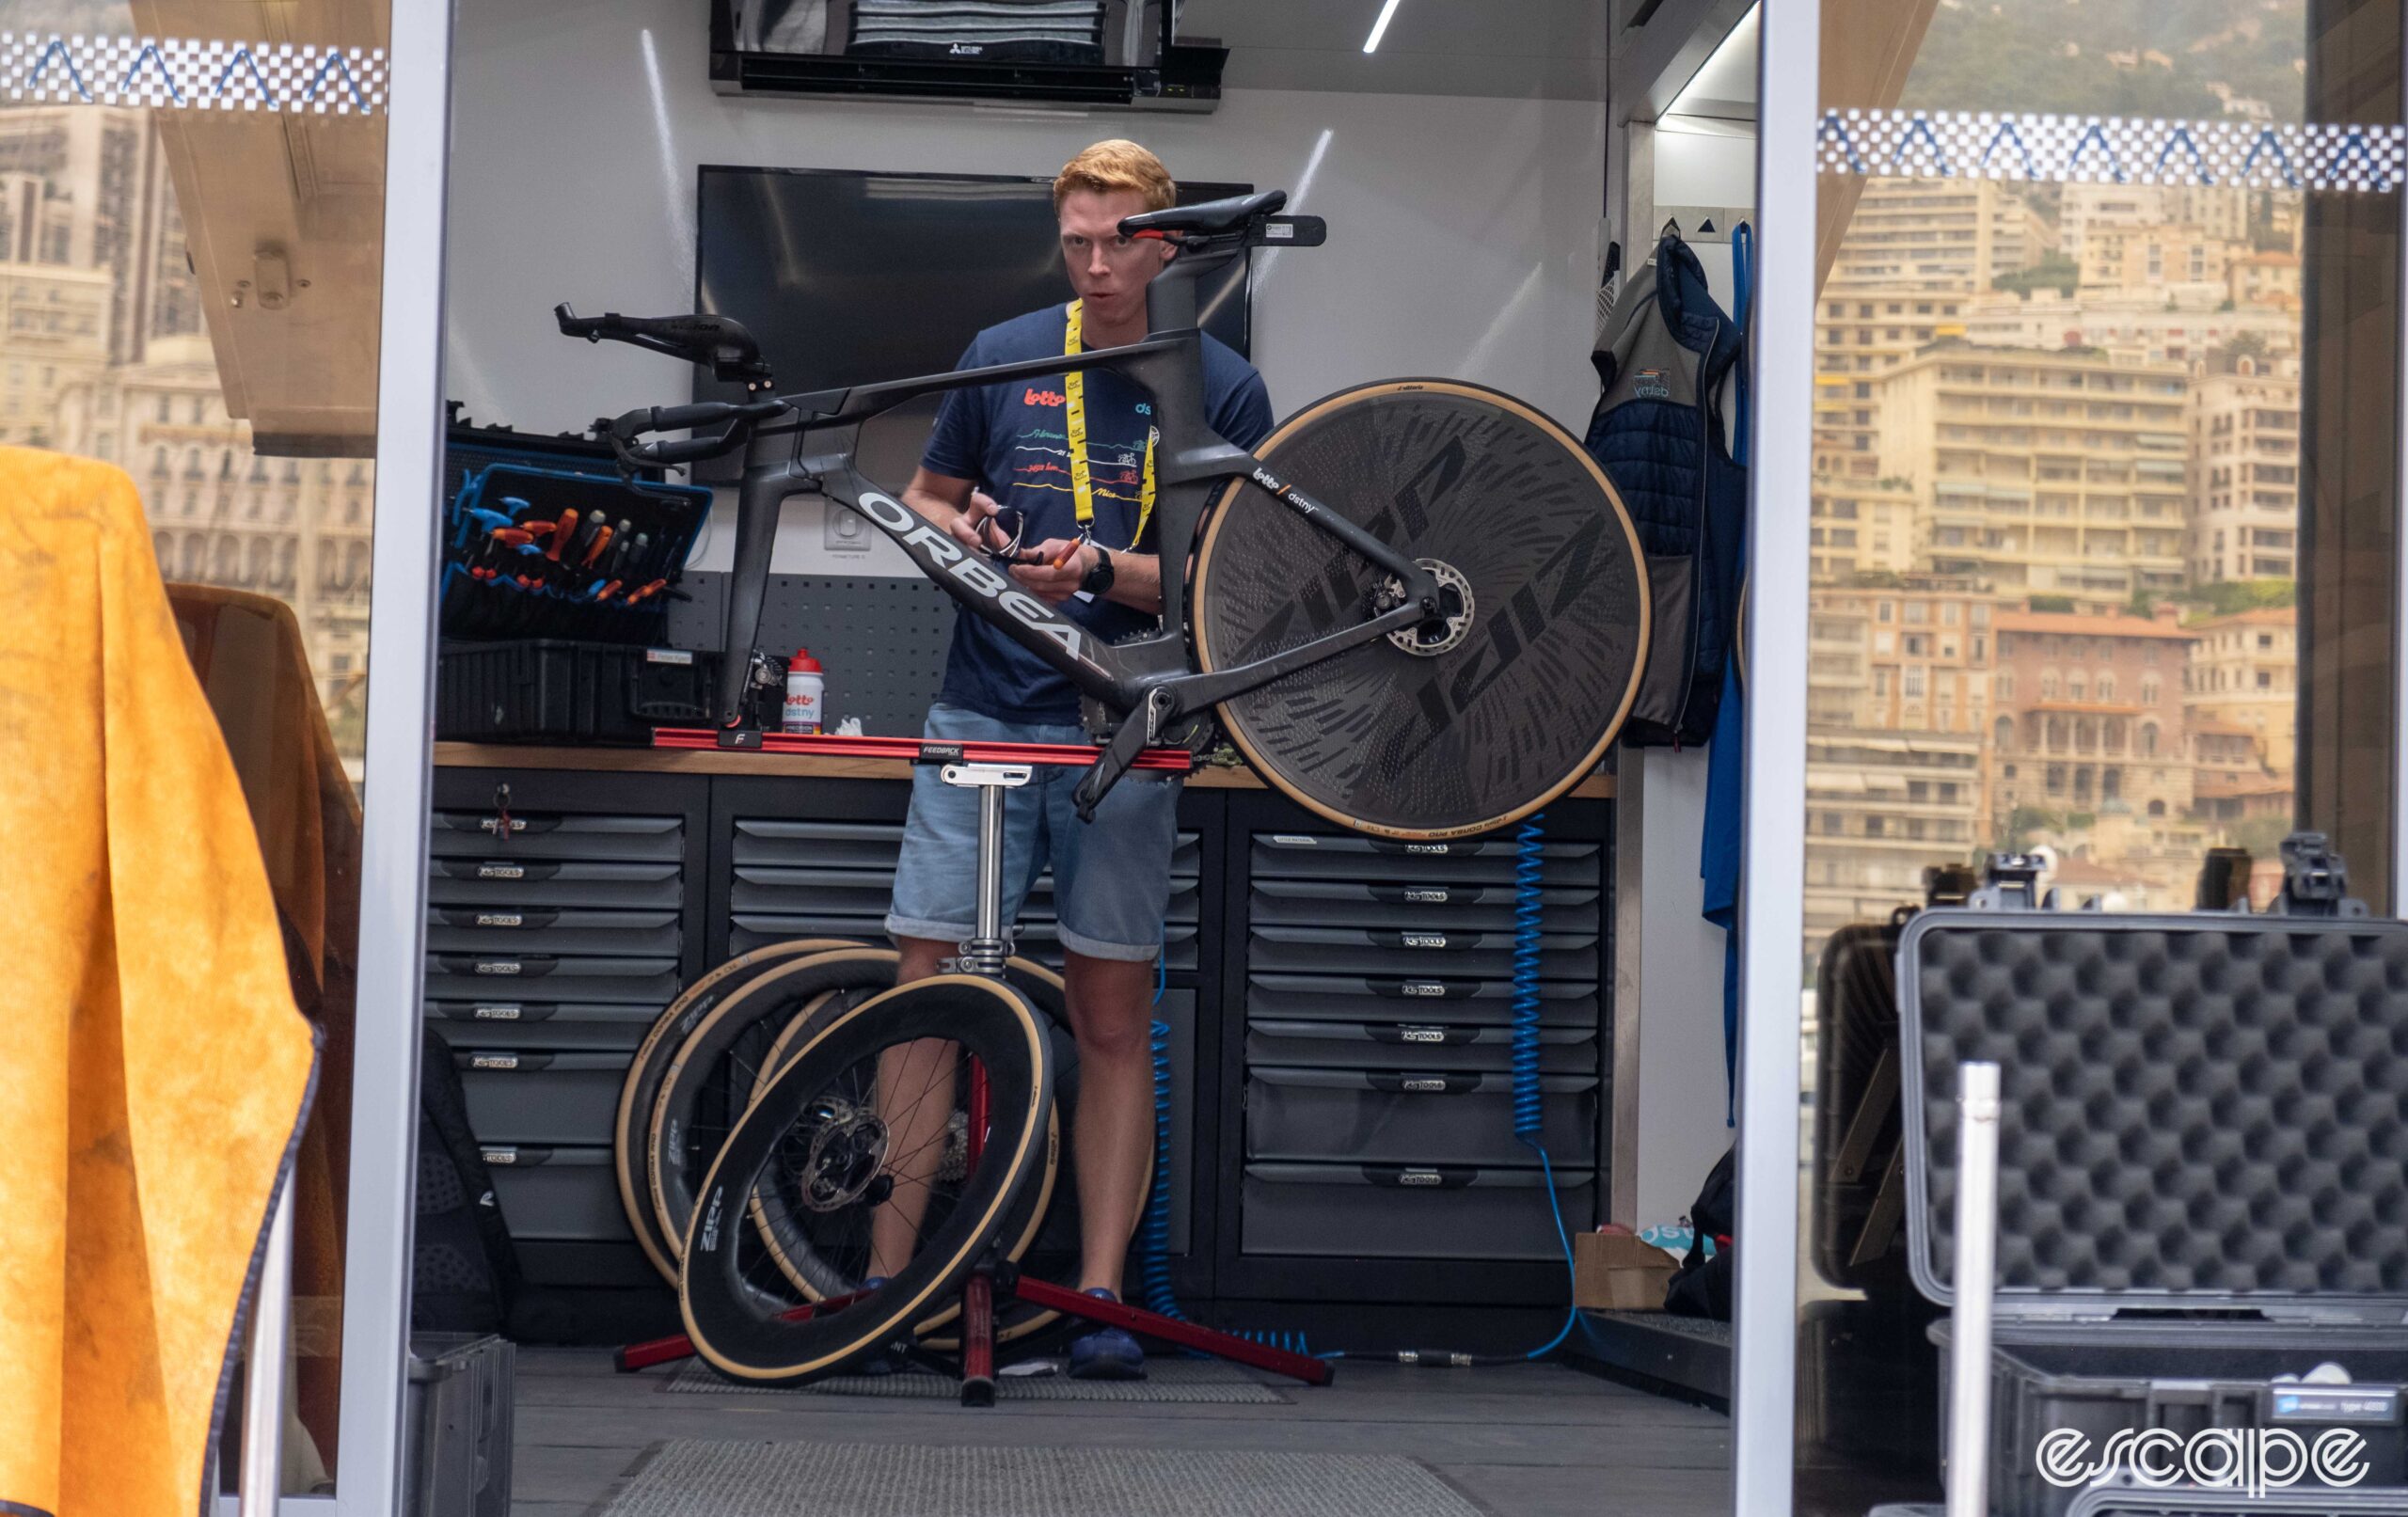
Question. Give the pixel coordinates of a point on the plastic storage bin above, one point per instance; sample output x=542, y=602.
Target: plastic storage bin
x=1394, y=1117
x=1410, y=1212
x=458, y=1413
x=548, y=690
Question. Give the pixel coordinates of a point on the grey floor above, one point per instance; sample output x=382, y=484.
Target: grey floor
x=1538, y=1441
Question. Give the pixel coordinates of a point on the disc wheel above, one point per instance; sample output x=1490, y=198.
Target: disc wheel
x=1045, y=1237
x=632, y=1125
x=1474, y=720
x=836, y=1135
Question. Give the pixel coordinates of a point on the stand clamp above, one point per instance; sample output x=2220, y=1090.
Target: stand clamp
x=990, y=945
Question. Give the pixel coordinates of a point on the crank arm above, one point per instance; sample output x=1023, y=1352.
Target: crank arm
x=1136, y=733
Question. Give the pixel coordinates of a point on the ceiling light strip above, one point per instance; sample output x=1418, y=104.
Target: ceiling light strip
x=1380, y=27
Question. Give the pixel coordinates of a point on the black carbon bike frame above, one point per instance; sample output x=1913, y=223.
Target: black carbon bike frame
x=804, y=445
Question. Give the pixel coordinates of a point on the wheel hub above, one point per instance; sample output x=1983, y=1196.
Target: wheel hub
x=846, y=1160
x=1456, y=608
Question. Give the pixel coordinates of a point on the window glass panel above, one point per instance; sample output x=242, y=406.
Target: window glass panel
x=2151, y=449
x=191, y=228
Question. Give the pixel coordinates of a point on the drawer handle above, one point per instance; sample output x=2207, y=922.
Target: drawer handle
x=515, y=1157
x=1423, y=894
x=1427, y=940
x=1420, y=1084
x=1420, y=1177
x=1423, y=990
x=529, y=921
x=497, y=869
x=1419, y=1032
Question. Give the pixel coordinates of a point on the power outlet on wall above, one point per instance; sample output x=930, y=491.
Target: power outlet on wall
x=842, y=531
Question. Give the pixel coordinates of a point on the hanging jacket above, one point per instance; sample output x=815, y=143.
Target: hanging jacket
x=1658, y=433
x=157, y=1071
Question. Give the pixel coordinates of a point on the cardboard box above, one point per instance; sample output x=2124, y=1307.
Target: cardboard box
x=1615, y=1272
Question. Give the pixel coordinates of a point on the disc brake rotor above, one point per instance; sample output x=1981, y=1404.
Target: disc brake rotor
x=846, y=1156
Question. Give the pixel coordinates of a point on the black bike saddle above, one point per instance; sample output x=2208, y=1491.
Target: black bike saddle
x=1209, y=218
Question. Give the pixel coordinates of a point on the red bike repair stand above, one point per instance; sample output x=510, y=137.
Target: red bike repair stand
x=992, y=768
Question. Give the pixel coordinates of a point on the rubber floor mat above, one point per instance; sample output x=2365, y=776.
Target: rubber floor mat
x=692, y=1477
x=1167, y=1380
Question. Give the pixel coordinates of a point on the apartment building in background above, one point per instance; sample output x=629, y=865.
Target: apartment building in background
x=1880, y=808
x=1861, y=528
x=2088, y=711
x=2245, y=470
x=2040, y=472
x=104, y=352
x=2244, y=678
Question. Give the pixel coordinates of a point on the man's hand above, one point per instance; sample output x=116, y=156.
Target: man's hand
x=1049, y=583
x=970, y=526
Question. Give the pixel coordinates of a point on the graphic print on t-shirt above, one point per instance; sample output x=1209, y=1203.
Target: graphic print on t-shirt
x=1013, y=441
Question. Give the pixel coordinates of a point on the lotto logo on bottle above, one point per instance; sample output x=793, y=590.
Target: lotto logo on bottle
x=2252, y=1461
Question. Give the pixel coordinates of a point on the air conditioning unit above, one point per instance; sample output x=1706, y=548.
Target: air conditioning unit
x=1121, y=54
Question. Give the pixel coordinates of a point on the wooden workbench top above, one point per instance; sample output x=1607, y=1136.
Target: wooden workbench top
x=797, y=765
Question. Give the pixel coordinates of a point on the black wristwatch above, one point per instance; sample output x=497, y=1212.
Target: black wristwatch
x=1099, y=580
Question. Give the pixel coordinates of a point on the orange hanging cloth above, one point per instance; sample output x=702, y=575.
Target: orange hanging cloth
x=156, y=1071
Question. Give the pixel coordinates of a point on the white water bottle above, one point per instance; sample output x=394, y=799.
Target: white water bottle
x=806, y=688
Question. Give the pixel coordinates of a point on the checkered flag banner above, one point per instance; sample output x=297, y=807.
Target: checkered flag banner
x=173, y=73
x=2109, y=149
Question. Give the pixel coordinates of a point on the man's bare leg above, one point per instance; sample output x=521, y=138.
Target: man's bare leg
x=916, y=1126
x=1111, y=1006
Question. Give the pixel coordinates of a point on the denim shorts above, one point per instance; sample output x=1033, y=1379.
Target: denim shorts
x=1111, y=876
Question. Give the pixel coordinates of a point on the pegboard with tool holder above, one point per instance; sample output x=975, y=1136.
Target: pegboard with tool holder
x=880, y=638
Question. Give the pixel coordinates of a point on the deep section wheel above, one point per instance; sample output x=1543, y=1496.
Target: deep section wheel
x=706, y=1086
x=630, y=1130
x=855, y=1137
x=1488, y=710
x=1045, y=1237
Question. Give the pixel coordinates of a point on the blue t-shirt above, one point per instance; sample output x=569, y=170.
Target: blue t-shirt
x=1012, y=441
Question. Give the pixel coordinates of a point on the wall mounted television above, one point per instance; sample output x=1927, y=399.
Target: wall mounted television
x=848, y=277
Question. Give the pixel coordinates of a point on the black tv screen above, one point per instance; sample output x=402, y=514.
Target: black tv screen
x=847, y=279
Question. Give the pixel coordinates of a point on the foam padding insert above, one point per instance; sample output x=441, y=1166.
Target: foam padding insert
x=2195, y=1107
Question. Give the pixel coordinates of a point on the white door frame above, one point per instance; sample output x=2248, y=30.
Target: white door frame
x=1772, y=908
x=398, y=771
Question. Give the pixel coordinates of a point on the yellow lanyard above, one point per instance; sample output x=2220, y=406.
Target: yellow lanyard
x=1074, y=394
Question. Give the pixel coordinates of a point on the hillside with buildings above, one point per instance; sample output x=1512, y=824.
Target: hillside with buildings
x=104, y=352
x=2055, y=532
x=2198, y=59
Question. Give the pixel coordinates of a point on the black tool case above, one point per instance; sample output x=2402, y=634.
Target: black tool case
x=2203, y=1170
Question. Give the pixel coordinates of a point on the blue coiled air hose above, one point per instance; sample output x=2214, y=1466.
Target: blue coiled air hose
x=1529, y=1115
x=1528, y=1119
x=1527, y=1123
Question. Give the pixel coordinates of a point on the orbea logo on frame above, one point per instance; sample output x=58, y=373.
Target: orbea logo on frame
x=2250, y=1459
